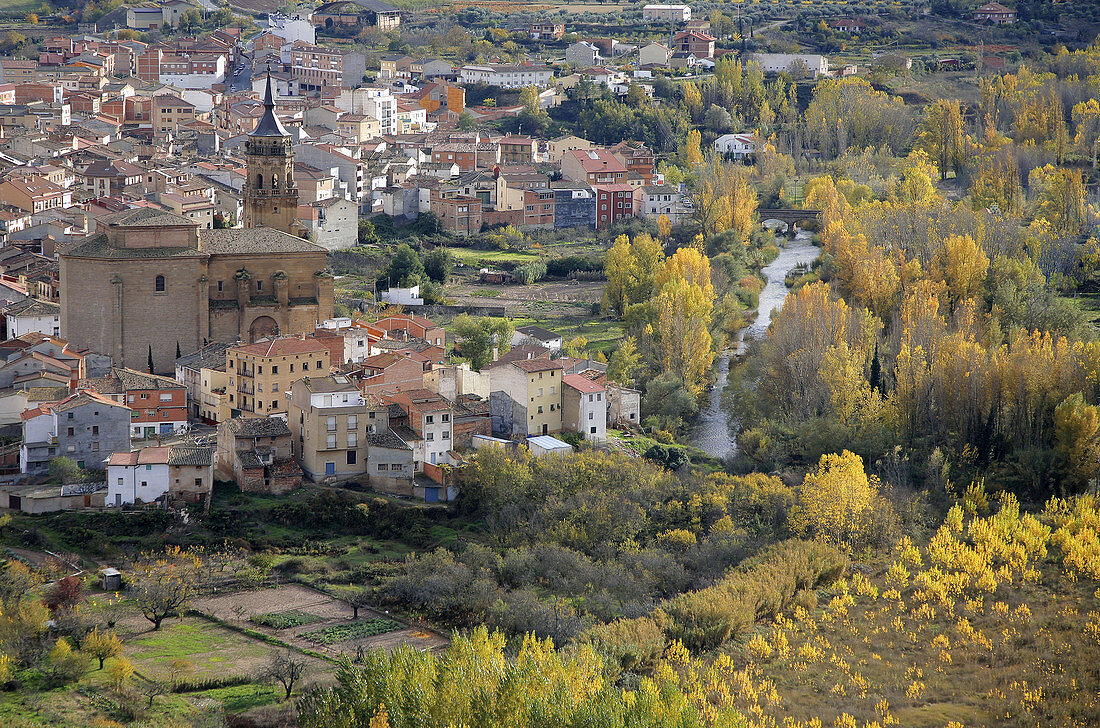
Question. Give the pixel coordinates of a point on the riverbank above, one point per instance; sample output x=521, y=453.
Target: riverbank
x=715, y=428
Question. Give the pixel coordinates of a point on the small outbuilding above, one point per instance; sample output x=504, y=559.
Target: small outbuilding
x=541, y=445
x=110, y=579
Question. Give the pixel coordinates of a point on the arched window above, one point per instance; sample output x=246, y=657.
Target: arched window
x=158, y=284
x=275, y=181
x=259, y=181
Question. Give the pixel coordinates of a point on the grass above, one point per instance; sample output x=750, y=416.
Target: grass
x=472, y=257
x=285, y=620
x=240, y=698
x=344, y=632
x=210, y=648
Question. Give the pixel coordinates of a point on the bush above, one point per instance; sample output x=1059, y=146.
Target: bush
x=197, y=685
x=629, y=644
x=761, y=587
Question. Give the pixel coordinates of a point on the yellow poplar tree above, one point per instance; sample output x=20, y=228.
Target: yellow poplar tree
x=1076, y=430
x=683, y=326
x=693, y=150
x=962, y=265
x=836, y=500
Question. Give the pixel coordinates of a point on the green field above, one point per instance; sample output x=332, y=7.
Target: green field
x=212, y=650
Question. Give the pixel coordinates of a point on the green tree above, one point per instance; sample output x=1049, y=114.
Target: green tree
x=65, y=469
x=367, y=234
x=466, y=121
x=405, y=268
x=190, y=20
x=624, y=363
x=439, y=263
x=942, y=136
x=479, y=337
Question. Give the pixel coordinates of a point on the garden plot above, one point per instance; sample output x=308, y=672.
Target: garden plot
x=296, y=614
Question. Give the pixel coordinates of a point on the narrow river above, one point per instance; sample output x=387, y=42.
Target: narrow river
x=715, y=429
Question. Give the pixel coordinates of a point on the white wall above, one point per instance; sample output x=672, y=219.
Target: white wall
x=136, y=481
x=19, y=325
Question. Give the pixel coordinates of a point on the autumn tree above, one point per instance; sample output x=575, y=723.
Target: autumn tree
x=624, y=363
x=1086, y=117
x=962, y=265
x=65, y=593
x=164, y=585
x=630, y=266
x=480, y=337
x=683, y=332
x=101, y=645
x=724, y=199
x=1077, y=441
x=941, y=135
x=836, y=501
x=691, y=154
x=1061, y=197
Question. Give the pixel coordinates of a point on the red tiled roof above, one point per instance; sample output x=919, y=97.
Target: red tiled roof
x=281, y=347
x=581, y=384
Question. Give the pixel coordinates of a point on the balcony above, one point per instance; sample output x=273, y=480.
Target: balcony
x=246, y=388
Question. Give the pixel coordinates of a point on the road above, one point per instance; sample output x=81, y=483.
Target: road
x=242, y=82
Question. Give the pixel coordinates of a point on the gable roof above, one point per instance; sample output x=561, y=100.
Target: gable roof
x=257, y=427
x=282, y=346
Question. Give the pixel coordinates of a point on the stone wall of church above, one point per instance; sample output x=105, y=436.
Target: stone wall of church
x=107, y=302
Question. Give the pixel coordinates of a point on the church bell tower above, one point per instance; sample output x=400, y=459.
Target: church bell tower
x=270, y=194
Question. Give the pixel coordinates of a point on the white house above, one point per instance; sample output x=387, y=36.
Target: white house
x=334, y=222
x=138, y=477
x=667, y=13
x=652, y=201
x=403, y=296
x=537, y=336
x=584, y=407
x=507, y=76
x=291, y=28
x=33, y=315
x=735, y=146
x=815, y=65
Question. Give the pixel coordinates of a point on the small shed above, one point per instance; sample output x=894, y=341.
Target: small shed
x=110, y=579
x=541, y=445
x=481, y=442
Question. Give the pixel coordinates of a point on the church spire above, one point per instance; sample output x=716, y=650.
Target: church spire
x=269, y=123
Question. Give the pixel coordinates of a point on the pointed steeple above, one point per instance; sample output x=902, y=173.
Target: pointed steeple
x=269, y=123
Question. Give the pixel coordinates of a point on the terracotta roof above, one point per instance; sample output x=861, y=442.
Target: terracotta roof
x=185, y=455
x=125, y=380
x=581, y=384
x=284, y=346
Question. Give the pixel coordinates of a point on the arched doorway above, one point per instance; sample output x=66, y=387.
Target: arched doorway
x=262, y=327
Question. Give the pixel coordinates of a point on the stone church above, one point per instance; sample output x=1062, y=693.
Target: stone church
x=149, y=280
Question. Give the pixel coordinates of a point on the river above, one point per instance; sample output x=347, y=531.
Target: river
x=715, y=429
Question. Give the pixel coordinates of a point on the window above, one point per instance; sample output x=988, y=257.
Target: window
x=590, y=398
x=219, y=286
x=259, y=370
x=353, y=439
x=540, y=391
x=318, y=366
x=198, y=482
x=445, y=418
x=446, y=435
x=275, y=387
x=144, y=395
x=158, y=284
x=330, y=442
x=429, y=419
x=95, y=447
x=274, y=369
x=552, y=389
x=260, y=284
x=353, y=422
x=330, y=423
x=148, y=467
x=69, y=431
x=95, y=429
x=166, y=398
x=274, y=404
x=552, y=407
x=592, y=429
x=70, y=415
x=352, y=456
x=292, y=367
x=540, y=409
x=429, y=436
x=590, y=416
x=383, y=467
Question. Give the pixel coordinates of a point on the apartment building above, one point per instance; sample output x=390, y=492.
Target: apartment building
x=328, y=419
x=261, y=374
x=429, y=418
x=159, y=403
x=525, y=397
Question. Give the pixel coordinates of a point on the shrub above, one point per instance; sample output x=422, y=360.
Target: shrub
x=629, y=644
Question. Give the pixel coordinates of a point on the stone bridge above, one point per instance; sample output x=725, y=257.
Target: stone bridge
x=789, y=216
